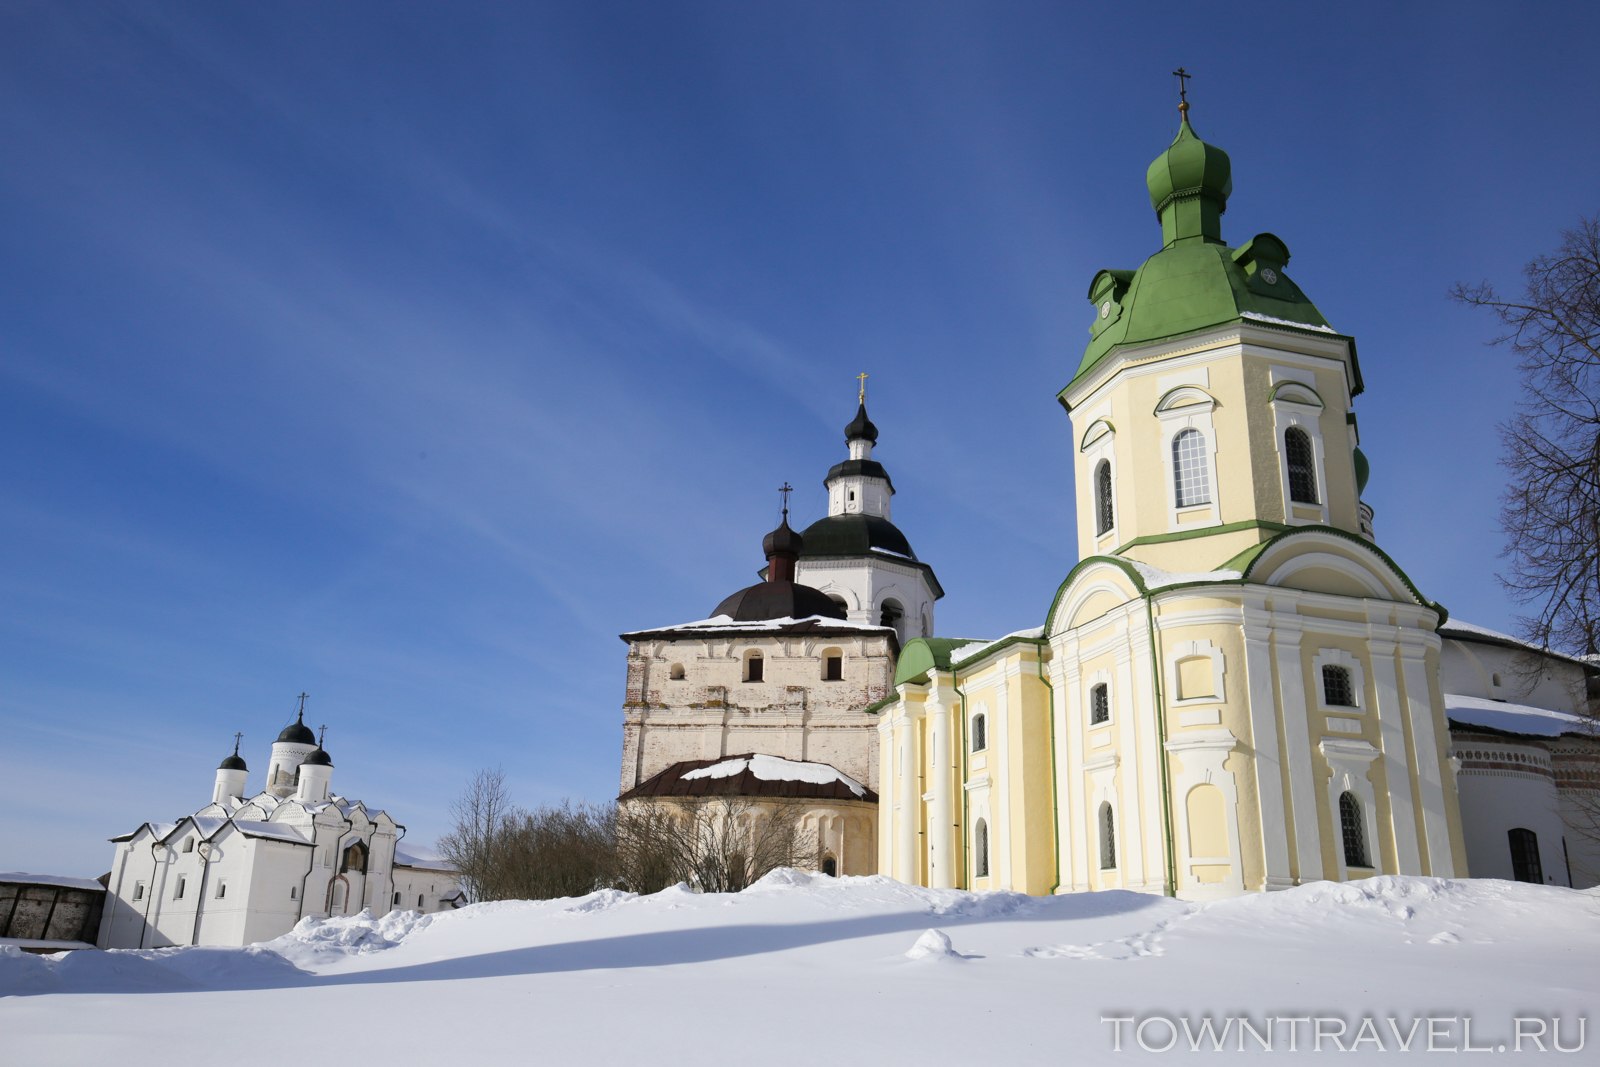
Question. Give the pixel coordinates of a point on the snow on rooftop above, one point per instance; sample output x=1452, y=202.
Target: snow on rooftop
x=276, y=830
x=51, y=879
x=420, y=856
x=727, y=622
x=974, y=649
x=777, y=769
x=1156, y=578
x=1256, y=316
x=1513, y=718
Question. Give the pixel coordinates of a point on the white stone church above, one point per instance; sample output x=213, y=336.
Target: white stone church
x=247, y=866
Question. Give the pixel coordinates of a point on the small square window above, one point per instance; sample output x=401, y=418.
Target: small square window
x=833, y=669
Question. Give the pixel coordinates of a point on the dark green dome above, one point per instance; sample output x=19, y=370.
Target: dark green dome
x=319, y=758
x=854, y=535
x=1363, y=471
x=298, y=732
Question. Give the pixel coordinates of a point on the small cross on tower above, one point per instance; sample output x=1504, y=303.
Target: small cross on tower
x=322, y=733
x=238, y=736
x=1183, y=77
x=861, y=396
x=785, y=489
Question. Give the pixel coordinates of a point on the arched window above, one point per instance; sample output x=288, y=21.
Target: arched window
x=354, y=859
x=1190, y=483
x=1099, y=704
x=892, y=614
x=1525, y=865
x=1302, y=468
x=754, y=668
x=1104, y=514
x=1108, y=838
x=980, y=850
x=677, y=674
x=832, y=665
x=980, y=733
x=830, y=866
x=1337, y=692
x=1354, y=833
x=419, y=900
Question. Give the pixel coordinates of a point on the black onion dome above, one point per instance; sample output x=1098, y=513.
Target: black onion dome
x=782, y=540
x=234, y=762
x=855, y=535
x=319, y=758
x=778, y=600
x=861, y=427
x=298, y=733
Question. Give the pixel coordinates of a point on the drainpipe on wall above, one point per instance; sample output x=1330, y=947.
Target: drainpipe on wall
x=966, y=745
x=204, y=848
x=1050, y=718
x=1171, y=887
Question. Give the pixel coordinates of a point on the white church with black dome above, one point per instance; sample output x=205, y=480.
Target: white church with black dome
x=762, y=700
x=247, y=867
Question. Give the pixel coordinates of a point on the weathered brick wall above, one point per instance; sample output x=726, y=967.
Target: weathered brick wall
x=49, y=912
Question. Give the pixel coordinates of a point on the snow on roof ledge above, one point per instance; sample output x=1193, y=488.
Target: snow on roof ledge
x=1156, y=578
x=727, y=622
x=52, y=879
x=1513, y=718
x=777, y=769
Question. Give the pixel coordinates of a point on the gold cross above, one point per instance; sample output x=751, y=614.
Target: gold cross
x=861, y=397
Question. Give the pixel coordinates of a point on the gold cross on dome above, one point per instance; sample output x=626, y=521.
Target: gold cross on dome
x=861, y=397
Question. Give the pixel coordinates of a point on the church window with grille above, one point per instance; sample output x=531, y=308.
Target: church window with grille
x=1105, y=514
x=1337, y=690
x=980, y=850
x=1525, y=865
x=1302, y=468
x=1108, y=838
x=1352, y=830
x=980, y=733
x=1099, y=704
x=1190, y=481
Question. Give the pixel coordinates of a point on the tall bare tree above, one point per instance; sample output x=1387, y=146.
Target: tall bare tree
x=1551, y=509
x=714, y=844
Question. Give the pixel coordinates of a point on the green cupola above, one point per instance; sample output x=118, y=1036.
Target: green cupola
x=1189, y=186
x=1196, y=281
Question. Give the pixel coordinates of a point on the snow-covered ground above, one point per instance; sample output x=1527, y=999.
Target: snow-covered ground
x=806, y=969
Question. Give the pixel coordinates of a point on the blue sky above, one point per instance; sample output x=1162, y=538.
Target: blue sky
x=406, y=354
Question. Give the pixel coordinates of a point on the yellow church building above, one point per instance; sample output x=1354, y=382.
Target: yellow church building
x=1235, y=689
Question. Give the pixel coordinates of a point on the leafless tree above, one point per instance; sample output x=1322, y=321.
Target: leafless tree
x=1551, y=512
x=507, y=853
x=715, y=844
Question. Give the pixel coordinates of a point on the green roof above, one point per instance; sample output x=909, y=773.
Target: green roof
x=923, y=654
x=1195, y=281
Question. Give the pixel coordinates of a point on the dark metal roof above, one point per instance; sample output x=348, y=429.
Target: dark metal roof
x=298, y=732
x=866, y=468
x=778, y=600
x=861, y=426
x=854, y=535
x=758, y=628
x=319, y=758
x=671, y=783
x=232, y=763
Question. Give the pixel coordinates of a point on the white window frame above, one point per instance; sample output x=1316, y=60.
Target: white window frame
x=1338, y=657
x=1189, y=407
x=1351, y=762
x=1098, y=678
x=1099, y=445
x=1295, y=404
